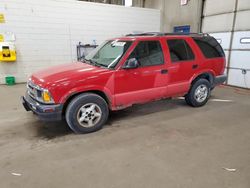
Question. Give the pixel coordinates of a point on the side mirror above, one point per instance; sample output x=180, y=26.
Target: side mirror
x=131, y=64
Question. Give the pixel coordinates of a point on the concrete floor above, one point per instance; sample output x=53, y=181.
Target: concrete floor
x=161, y=144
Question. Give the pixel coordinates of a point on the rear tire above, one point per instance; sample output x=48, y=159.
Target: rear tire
x=199, y=93
x=87, y=113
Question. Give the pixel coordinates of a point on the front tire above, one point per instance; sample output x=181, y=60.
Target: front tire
x=199, y=93
x=87, y=113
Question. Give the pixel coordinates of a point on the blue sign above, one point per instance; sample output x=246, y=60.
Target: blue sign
x=182, y=29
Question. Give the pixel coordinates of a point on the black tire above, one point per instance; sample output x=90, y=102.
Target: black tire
x=187, y=100
x=192, y=99
x=84, y=102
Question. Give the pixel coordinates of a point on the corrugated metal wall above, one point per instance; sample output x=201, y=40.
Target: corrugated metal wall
x=228, y=21
x=48, y=31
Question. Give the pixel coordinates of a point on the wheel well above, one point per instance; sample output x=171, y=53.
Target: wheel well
x=97, y=92
x=206, y=76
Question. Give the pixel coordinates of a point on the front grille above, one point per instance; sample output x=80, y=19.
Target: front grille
x=32, y=90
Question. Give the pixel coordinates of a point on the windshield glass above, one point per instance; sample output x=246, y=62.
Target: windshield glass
x=109, y=53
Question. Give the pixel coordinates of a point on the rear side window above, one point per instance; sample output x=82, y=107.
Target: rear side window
x=148, y=53
x=179, y=50
x=209, y=47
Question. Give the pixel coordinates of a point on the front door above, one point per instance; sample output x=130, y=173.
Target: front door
x=146, y=82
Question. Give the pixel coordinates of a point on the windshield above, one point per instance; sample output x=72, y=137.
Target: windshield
x=109, y=53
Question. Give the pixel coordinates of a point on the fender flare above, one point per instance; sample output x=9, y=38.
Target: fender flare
x=78, y=90
x=209, y=73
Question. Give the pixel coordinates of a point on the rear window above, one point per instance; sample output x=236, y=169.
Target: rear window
x=209, y=47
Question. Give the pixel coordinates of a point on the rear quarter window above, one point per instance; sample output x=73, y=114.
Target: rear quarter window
x=209, y=47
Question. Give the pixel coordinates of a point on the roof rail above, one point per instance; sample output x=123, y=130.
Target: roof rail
x=146, y=34
x=164, y=34
x=189, y=34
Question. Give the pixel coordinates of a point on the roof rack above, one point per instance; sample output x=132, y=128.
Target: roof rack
x=164, y=34
x=189, y=34
x=146, y=34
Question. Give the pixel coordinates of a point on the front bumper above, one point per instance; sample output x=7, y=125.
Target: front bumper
x=46, y=112
x=220, y=79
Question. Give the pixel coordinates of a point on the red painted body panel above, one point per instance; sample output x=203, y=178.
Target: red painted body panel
x=125, y=87
x=65, y=80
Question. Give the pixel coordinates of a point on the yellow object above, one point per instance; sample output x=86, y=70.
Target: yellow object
x=2, y=20
x=46, y=96
x=7, y=52
x=1, y=38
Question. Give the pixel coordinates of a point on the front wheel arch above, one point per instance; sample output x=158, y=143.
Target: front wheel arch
x=97, y=92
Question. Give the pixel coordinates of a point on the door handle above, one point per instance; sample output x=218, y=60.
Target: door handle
x=195, y=66
x=164, y=71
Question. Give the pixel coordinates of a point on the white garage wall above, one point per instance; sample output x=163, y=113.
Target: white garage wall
x=242, y=22
x=219, y=22
x=213, y=7
x=243, y=5
x=48, y=31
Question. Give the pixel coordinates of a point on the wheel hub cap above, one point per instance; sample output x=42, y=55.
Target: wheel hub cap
x=201, y=93
x=89, y=115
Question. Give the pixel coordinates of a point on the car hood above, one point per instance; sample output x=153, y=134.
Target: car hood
x=63, y=74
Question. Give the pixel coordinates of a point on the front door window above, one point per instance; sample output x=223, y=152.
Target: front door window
x=148, y=53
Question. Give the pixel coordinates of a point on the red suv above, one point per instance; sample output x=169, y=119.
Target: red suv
x=125, y=71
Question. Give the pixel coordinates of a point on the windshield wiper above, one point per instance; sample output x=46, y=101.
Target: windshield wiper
x=102, y=65
x=95, y=63
x=90, y=61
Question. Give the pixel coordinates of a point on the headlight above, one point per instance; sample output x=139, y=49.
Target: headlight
x=39, y=94
x=46, y=97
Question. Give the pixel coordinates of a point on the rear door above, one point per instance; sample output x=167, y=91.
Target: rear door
x=183, y=65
